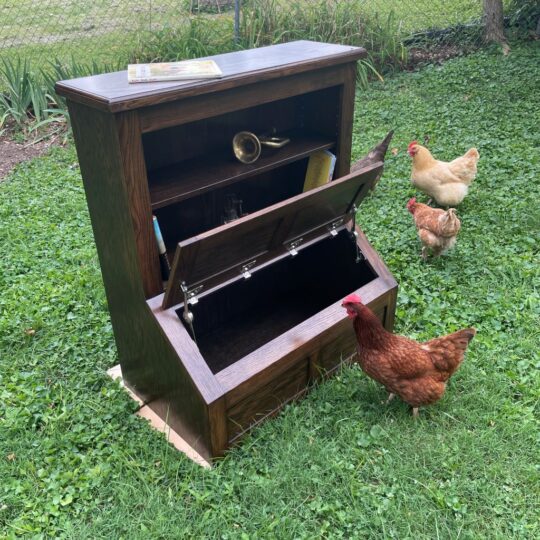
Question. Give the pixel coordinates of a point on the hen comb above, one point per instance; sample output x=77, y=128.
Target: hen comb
x=411, y=201
x=352, y=299
x=411, y=144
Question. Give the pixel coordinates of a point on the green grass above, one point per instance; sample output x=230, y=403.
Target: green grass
x=75, y=462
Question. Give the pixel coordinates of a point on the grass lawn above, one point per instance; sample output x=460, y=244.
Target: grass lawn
x=76, y=463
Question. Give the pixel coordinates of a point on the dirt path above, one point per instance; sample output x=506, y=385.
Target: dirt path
x=12, y=153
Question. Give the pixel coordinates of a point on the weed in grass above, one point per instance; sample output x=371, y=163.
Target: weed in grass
x=76, y=463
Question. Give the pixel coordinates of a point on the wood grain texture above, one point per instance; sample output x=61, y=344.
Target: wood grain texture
x=303, y=340
x=212, y=135
x=189, y=355
x=257, y=93
x=111, y=91
x=136, y=183
x=270, y=398
x=269, y=361
x=142, y=351
x=345, y=122
x=218, y=427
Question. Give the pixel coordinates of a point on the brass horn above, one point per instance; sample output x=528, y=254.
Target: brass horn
x=247, y=146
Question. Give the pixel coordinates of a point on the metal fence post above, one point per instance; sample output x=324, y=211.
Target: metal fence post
x=236, y=21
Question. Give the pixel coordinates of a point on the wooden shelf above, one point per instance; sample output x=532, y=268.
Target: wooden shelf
x=193, y=177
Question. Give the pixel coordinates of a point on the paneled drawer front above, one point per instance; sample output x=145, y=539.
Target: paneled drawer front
x=267, y=400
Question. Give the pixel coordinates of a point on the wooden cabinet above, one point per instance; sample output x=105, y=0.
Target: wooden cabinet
x=263, y=290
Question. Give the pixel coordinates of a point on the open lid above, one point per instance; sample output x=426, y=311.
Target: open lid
x=247, y=244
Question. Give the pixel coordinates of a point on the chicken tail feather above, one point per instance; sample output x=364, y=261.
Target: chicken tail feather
x=447, y=352
x=449, y=223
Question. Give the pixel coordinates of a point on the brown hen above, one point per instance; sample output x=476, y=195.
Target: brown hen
x=416, y=372
x=437, y=229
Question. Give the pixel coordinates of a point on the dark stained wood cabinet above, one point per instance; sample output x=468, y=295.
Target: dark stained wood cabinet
x=264, y=290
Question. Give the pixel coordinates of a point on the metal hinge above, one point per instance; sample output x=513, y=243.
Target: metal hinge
x=332, y=228
x=245, y=269
x=354, y=236
x=190, y=295
x=291, y=247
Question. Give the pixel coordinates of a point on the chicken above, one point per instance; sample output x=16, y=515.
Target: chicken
x=416, y=372
x=437, y=228
x=446, y=182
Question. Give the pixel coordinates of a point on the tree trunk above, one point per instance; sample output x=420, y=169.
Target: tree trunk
x=494, y=23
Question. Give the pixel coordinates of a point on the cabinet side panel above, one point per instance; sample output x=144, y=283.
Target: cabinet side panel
x=136, y=186
x=149, y=365
x=345, y=122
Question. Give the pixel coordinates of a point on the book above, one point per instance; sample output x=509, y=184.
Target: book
x=173, y=71
x=162, y=250
x=320, y=169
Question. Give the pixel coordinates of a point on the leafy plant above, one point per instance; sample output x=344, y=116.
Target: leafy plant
x=24, y=94
x=266, y=22
x=198, y=36
x=525, y=14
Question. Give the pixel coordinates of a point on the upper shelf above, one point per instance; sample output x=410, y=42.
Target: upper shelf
x=193, y=177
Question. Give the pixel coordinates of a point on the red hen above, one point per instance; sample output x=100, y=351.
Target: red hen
x=416, y=372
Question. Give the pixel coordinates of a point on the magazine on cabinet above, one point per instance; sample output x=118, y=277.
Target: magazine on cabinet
x=173, y=71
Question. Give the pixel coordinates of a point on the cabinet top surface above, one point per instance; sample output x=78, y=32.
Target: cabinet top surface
x=111, y=91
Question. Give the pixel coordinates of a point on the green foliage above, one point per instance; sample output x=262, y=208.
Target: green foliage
x=198, y=36
x=24, y=94
x=76, y=463
x=266, y=22
x=28, y=99
x=525, y=14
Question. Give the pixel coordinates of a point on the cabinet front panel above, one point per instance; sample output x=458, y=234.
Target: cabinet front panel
x=267, y=400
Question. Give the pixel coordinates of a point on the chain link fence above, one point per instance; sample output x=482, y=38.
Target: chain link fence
x=107, y=31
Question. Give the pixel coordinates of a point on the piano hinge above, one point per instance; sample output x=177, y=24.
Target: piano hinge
x=291, y=246
x=245, y=268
